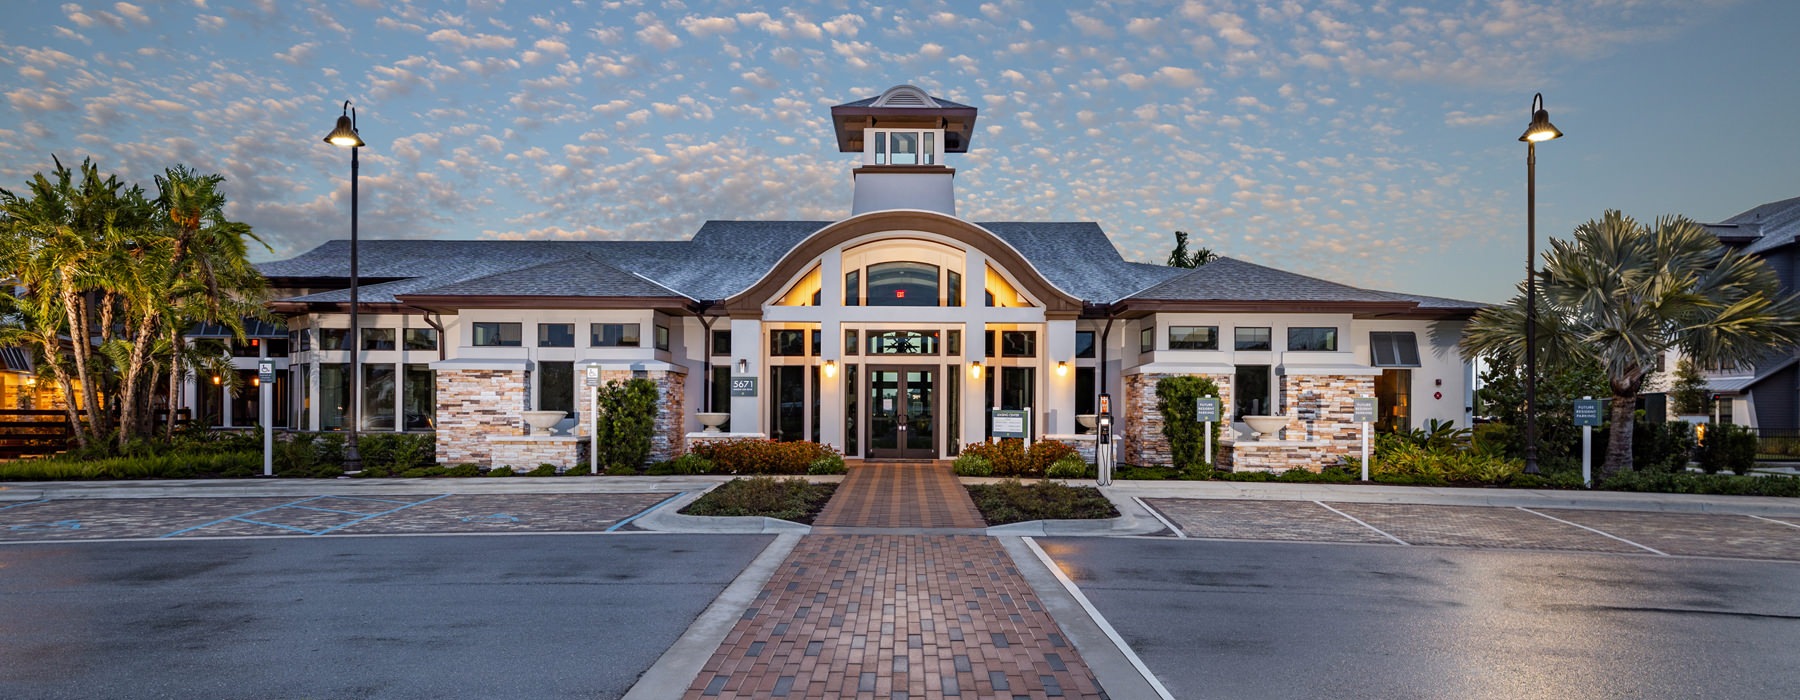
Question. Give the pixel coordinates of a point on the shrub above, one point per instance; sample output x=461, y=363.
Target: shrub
x=691, y=463
x=1175, y=399
x=1012, y=501
x=1728, y=446
x=967, y=464
x=1688, y=482
x=627, y=419
x=577, y=471
x=1661, y=447
x=787, y=499
x=761, y=456
x=500, y=471
x=1405, y=459
x=1009, y=457
x=543, y=470
x=170, y=465
x=829, y=464
x=396, y=451
x=628, y=470
x=463, y=470
x=1069, y=467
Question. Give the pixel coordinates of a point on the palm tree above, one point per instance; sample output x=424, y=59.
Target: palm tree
x=1180, y=257
x=1624, y=293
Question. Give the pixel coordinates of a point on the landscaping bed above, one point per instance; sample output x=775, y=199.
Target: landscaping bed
x=784, y=499
x=1014, y=501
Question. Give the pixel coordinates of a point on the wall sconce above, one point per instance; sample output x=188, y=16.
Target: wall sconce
x=743, y=366
x=1062, y=369
x=215, y=380
x=830, y=368
x=256, y=381
x=975, y=370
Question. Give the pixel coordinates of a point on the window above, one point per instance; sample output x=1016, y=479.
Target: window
x=556, y=335
x=1147, y=339
x=613, y=335
x=903, y=148
x=1312, y=339
x=377, y=412
x=990, y=344
x=556, y=386
x=853, y=288
x=903, y=342
x=721, y=342
x=305, y=339
x=818, y=341
x=278, y=347
x=787, y=343
x=953, y=296
x=421, y=397
x=1393, y=401
x=249, y=348
x=1253, y=339
x=850, y=344
x=377, y=338
x=334, y=395
x=333, y=338
x=1393, y=349
x=903, y=284
x=498, y=334
x=1018, y=343
x=1084, y=344
x=953, y=342
x=421, y=339
x=662, y=338
x=1193, y=337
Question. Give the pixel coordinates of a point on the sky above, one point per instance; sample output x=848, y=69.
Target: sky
x=1371, y=143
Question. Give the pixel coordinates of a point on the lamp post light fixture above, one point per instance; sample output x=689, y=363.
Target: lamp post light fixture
x=345, y=136
x=1540, y=130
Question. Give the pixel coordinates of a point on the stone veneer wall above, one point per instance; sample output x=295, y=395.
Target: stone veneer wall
x=1143, y=429
x=473, y=404
x=1320, y=429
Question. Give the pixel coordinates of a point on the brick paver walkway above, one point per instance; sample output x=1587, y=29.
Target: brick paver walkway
x=859, y=615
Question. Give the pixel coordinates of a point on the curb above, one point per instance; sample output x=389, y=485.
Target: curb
x=668, y=518
x=1133, y=520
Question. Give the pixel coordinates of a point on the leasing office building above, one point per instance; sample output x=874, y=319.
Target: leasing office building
x=889, y=334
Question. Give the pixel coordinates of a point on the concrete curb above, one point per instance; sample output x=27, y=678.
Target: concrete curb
x=668, y=518
x=1132, y=520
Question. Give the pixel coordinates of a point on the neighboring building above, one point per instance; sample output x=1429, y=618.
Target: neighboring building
x=889, y=334
x=1765, y=394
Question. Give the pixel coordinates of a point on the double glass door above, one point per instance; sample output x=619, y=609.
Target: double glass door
x=903, y=413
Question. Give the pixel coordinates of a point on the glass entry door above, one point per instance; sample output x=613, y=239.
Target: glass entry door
x=902, y=412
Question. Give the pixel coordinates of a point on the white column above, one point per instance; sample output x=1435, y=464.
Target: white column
x=974, y=408
x=747, y=344
x=1059, y=400
x=831, y=335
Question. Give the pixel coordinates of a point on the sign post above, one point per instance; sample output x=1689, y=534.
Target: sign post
x=1365, y=414
x=265, y=376
x=1207, y=411
x=1587, y=415
x=591, y=381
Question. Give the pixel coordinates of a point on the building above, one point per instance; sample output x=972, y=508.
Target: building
x=889, y=334
x=1765, y=394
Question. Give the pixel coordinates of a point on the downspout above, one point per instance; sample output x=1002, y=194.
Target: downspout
x=1105, y=333
x=706, y=324
x=437, y=325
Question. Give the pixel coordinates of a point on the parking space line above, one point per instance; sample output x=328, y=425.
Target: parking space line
x=1159, y=516
x=239, y=515
x=1597, y=532
x=329, y=510
x=1354, y=519
x=279, y=525
x=377, y=515
x=25, y=503
x=644, y=512
x=1782, y=522
x=1099, y=620
x=366, y=498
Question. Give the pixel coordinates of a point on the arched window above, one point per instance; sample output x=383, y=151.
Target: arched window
x=902, y=284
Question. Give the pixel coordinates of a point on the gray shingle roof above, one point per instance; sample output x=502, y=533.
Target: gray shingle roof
x=726, y=257
x=870, y=101
x=1764, y=227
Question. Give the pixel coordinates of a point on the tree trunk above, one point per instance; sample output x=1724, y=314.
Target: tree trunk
x=1618, y=439
x=175, y=375
x=80, y=342
x=52, y=357
x=128, y=396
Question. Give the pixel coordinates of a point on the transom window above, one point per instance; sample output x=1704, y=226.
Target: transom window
x=489, y=334
x=903, y=342
x=556, y=335
x=1312, y=339
x=1252, y=339
x=1193, y=337
x=903, y=284
x=613, y=335
x=787, y=343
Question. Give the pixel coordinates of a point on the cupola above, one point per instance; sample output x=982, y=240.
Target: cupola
x=903, y=135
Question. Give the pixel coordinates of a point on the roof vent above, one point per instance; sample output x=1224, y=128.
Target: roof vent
x=905, y=96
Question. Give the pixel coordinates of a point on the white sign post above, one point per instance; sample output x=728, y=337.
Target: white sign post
x=1207, y=411
x=1365, y=414
x=265, y=376
x=1587, y=415
x=591, y=382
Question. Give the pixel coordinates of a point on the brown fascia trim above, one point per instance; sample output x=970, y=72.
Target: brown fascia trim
x=1359, y=308
x=447, y=302
x=748, y=303
x=329, y=307
x=879, y=169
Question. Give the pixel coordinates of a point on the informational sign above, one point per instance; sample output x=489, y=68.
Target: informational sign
x=265, y=370
x=1106, y=404
x=1365, y=410
x=1009, y=424
x=1588, y=412
x=1206, y=410
x=743, y=386
x=592, y=378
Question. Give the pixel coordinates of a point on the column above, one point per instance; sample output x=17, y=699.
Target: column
x=747, y=344
x=1059, y=399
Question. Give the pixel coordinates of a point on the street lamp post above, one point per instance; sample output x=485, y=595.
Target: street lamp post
x=1540, y=130
x=345, y=136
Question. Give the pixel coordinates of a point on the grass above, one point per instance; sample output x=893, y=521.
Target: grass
x=786, y=499
x=172, y=465
x=1013, y=501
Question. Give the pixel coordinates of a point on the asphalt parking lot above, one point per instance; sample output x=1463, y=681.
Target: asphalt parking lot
x=1488, y=527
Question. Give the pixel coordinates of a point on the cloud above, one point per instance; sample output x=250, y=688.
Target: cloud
x=659, y=36
x=708, y=26
x=462, y=42
x=298, y=53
